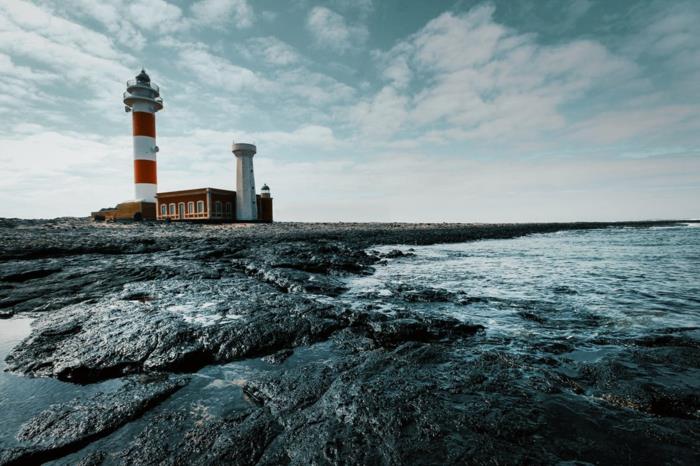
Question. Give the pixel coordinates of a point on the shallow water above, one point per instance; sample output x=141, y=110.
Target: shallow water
x=590, y=289
x=23, y=397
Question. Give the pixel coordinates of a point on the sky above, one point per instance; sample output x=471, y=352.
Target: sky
x=361, y=110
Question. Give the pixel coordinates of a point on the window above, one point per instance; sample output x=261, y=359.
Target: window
x=200, y=207
x=181, y=210
x=217, y=208
x=163, y=210
x=190, y=207
x=229, y=209
x=172, y=209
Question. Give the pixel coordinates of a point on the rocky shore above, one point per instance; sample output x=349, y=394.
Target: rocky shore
x=154, y=305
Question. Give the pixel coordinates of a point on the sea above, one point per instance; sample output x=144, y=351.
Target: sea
x=582, y=286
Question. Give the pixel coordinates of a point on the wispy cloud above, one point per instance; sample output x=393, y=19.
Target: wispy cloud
x=271, y=50
x=330, y=30
x=224, y=13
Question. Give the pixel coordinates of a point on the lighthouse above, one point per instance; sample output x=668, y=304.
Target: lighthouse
x=142, y=99
x=246, y=199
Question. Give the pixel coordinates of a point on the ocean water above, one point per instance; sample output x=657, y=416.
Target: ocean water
x=588, y=289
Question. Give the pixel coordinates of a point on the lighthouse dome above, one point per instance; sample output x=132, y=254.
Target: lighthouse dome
x=265, y=187
x=143, y=77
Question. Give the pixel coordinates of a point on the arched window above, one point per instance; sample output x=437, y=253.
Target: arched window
x=164, y=210
x=229, y=209
x=172, y=209
x=181, y=210
x=190, y=207
x=200, y=207
x=218, y=208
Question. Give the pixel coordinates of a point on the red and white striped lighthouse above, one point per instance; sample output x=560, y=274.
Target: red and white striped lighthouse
x=142, y=98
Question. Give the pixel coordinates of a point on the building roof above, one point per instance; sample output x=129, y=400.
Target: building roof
x=194, y=191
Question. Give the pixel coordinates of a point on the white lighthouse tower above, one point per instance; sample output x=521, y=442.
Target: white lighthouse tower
x=142, y=98
x=246, y=202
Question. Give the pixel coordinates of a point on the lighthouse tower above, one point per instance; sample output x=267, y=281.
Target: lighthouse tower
x=142, y=98
x=246, y=202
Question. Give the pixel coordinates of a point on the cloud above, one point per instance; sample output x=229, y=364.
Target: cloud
x=112, y=14
x=157, y=15
x=209, y=69
x=309, y=137
x=362, y=8
x=271, y=50
x=10, y=70
x=473, y=78
x=392, y=187
x=219, y=13
x=667, y=44
x=81, y=57
x=383, y=115
x=617, y=126
x=40, y=165
x=331, y=30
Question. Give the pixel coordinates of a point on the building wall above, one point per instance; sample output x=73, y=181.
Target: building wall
x=128, y=211
x=186, y=198
x=224, y=199
x=209, y=210
x=265, y=209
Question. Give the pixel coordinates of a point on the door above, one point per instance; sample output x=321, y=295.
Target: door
x=181, y=210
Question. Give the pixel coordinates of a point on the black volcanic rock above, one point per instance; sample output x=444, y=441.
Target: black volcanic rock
x=340, y=382
x=310, y=267
x=242, y=318
x=66, y=427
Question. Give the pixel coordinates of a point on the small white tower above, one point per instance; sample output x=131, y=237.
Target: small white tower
x=265, y=191
x=142, y=98
x=246, y=202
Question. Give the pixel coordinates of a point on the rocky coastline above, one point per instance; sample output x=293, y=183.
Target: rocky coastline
x=153, y=305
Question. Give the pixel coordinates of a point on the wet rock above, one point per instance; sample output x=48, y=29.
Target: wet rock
x=66, y=427
x=93, y=459
x=23, y=276
x=531, y=316
x=413, y=294
x=88, y=281
x=295, y=281
x=239, y=438
x=278, y=357
x=394, y=253
x=382, y=407
x=294, y=389
x=306, y=267
x=87, y=343
x=394, y=331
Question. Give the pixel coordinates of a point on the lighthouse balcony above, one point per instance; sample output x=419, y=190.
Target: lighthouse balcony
x=130, y=98
x=136, y=84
